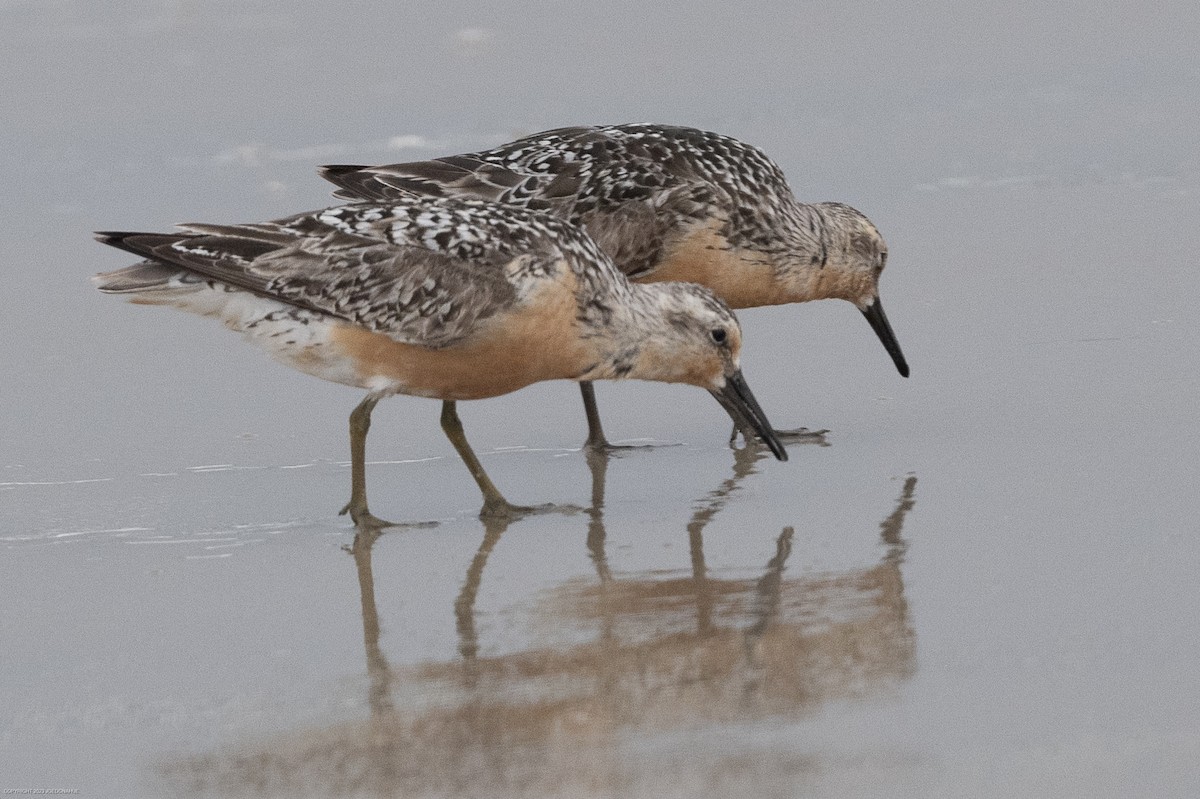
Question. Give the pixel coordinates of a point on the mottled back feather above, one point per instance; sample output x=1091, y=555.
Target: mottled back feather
x=637, y=189
x=422, y=271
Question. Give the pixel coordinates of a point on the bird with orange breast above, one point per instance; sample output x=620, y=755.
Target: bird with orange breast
x=440, y=298
x=667, y=203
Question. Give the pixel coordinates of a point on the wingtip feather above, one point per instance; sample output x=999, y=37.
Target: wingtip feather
x=118, y=239
x=330, y=171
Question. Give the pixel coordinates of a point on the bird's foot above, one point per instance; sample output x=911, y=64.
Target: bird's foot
x=503, y=509
x=800, y=435
x=365, y=520
x=602, y=446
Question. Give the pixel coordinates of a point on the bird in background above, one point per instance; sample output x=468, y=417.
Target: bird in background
x=441, y=298
x=666, y=204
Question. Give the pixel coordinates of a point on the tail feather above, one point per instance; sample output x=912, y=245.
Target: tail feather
x=166, y=268
x=143, y=277
x=150, y=275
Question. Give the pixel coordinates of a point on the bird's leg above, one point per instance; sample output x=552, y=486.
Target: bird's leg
x=494, y=503
x=596, y=440
x=360, y=423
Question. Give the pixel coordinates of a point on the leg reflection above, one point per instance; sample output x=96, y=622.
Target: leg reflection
x=379, y=672
x=464, y=604
x=597, y=461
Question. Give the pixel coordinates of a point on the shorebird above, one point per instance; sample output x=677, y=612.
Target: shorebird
x=667, y=203
x=441, y=298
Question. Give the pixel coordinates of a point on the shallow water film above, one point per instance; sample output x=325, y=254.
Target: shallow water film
x=984, y=583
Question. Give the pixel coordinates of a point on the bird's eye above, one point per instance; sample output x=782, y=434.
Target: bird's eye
x=718, y=334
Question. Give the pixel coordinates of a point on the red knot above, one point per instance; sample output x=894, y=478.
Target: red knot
x=667, y=203
x=441, y=298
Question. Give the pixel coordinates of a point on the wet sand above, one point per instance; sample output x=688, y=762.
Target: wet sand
x=983, y=586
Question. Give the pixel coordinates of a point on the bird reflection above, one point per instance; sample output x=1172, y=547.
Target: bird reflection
x=648, y=653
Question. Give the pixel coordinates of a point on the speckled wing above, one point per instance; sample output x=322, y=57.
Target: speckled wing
x=420, y=277
x=634, y=188
x=636, y=235
x=462, y=176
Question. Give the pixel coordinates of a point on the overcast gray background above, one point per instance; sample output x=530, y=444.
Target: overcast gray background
x=172, y=574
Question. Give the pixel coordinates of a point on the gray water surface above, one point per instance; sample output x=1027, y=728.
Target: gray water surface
x=984, y=586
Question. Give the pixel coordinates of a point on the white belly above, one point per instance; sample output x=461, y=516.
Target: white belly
x=293, y=336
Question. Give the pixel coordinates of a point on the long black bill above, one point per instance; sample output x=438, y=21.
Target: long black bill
x=740, y=404
x=879, y=323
